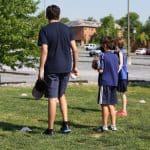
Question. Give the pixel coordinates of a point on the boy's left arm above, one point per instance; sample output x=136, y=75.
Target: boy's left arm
x=101, y=63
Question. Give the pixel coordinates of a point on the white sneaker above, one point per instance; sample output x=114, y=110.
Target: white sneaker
x=105, y=128
x=113, y=128
x=101, y=129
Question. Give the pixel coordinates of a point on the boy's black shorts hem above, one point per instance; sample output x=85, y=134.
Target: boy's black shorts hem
x=122, y=85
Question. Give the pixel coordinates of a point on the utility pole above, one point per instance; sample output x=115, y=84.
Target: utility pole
x=128, y=47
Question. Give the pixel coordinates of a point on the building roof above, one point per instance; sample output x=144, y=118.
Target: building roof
x=82, y=23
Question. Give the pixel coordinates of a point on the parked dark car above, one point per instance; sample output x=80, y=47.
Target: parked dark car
x=148, y=52
x=95, y=52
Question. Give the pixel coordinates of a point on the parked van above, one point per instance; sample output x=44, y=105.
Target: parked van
x=90, y=46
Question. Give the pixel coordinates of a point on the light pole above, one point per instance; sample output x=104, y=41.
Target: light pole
x=129, y=48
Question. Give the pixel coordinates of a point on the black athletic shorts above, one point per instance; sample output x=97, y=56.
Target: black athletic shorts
x=107, y=95
x=122, y=86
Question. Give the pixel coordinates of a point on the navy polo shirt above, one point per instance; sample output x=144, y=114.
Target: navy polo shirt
x=123, y=74
x=58, y=37
x=109, y=77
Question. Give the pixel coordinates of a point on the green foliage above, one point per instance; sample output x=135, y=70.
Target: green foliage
x=17, y=111
x=134, y=22
x=91, y=19
x=64, y=20
x=41, y=19
x=143, y=38
x=135, y=25
x=18, y=33
x=147, y=27
x=107, y=28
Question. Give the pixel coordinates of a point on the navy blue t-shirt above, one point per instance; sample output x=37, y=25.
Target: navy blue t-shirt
x=110, y=65
x=58, y=37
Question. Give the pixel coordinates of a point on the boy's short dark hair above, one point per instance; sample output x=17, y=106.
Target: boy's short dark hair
x=108, y=42
x=52, y=12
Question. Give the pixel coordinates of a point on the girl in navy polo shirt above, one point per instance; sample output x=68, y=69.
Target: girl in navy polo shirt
x=123, y=76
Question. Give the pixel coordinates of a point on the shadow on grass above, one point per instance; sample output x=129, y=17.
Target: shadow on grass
x=25, y=98
x=29, y=98
x=71, y=123
x=6, y=126
x=84, y=109
x=77, y=125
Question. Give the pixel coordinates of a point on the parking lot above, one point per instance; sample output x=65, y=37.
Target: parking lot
x=138, y=70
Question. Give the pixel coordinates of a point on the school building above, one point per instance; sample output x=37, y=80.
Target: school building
x=85, y=30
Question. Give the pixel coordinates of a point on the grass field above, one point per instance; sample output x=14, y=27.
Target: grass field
x=18, y=111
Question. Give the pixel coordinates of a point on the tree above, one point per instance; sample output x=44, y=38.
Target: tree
x=64, y=20
x=18, y=33
x=136, y=29
x=135, y=24
x=107, y=28
x=91, y=19
x=147, y=27
x=143, y=38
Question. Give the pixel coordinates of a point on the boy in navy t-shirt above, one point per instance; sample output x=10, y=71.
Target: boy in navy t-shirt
x=108, y=80
x=56, y=42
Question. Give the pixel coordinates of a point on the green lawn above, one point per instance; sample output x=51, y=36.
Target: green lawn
x=18, y=111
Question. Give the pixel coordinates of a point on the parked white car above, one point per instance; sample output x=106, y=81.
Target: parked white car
x=140, y=51
x=90, y=46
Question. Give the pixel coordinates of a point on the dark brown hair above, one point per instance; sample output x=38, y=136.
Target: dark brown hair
x=52, y=12
x=108, y=43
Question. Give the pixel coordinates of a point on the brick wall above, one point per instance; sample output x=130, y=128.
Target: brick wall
x=83, y=35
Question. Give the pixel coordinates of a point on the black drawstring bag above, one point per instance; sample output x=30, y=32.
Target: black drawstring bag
x=39, y=89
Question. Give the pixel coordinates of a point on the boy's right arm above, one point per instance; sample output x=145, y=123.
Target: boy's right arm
x=43, y=57
x=75, y=57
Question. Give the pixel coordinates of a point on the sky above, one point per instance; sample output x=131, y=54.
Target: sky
x=82, y=9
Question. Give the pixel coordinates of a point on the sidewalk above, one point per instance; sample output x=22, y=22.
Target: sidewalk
x=136, y=74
